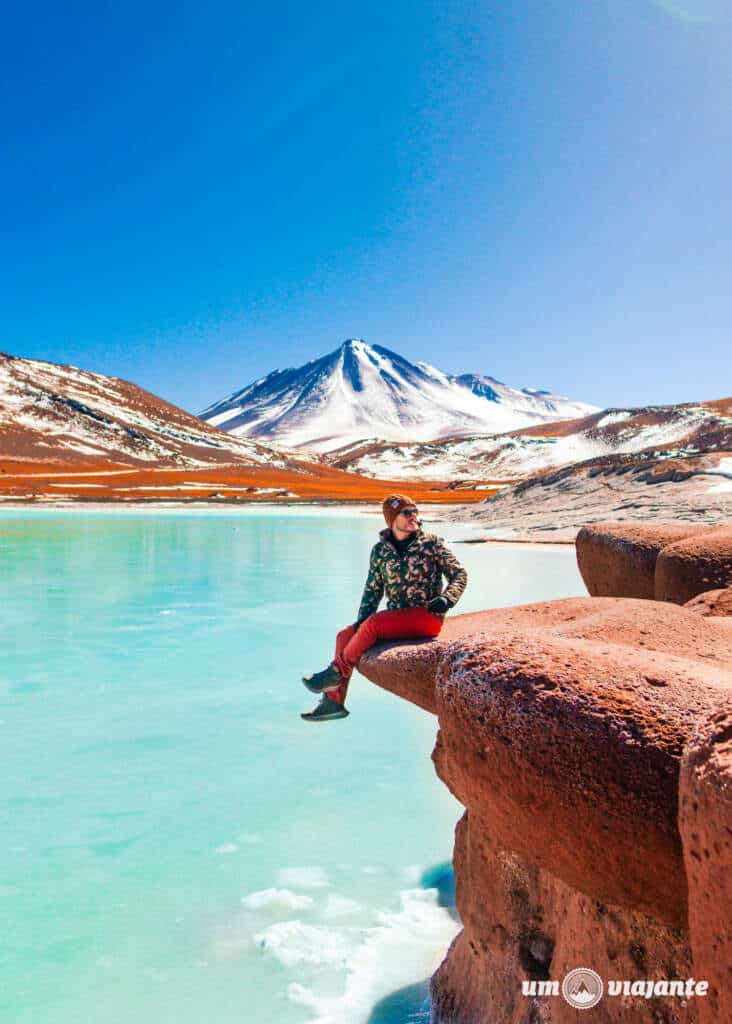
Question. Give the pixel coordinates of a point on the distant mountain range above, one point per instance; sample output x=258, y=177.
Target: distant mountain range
x=676, y=430
x=362, y=391
x=61, y=414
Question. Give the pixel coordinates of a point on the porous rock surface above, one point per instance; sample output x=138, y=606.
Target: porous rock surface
x=562, y=730
x=408, y=667
x=705, y=818
x=520, y=922
x=712, y=602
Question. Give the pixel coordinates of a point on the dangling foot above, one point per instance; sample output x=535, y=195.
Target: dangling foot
x=321, y=682
x=326, y=711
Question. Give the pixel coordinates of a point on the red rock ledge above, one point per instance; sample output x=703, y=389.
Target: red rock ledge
x=665, y=562
x=562, y=729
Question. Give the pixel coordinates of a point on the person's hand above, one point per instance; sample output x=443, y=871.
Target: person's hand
x=438, y=605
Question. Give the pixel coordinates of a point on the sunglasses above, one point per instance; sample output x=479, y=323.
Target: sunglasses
x=409, y=512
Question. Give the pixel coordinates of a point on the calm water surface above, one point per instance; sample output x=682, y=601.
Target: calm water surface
x=177, y=845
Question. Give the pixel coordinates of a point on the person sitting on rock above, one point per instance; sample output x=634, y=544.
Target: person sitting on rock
x=407, y=565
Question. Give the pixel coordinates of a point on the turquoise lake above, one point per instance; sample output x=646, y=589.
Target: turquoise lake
x=178, y=846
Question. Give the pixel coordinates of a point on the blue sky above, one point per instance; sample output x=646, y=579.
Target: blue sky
x=195, y=194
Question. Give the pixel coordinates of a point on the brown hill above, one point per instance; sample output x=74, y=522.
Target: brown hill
x=61, y=413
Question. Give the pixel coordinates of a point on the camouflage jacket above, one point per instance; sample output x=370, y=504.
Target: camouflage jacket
x=414, y=577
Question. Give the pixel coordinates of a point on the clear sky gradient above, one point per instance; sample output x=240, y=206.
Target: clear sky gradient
x=195, y=194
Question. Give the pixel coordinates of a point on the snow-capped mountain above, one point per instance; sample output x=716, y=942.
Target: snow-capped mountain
x=54, y=412
x=670, y=429
x=364, y=391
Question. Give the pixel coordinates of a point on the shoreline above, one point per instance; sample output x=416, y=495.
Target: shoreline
x=460, y=531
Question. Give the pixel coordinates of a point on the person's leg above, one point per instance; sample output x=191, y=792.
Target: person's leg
x=403, y=624
x=330, y=677
x=329, y=706
x=343, y=638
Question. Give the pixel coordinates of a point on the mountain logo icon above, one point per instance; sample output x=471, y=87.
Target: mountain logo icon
x=582, y=988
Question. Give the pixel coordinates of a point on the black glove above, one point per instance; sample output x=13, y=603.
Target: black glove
x=438, y=605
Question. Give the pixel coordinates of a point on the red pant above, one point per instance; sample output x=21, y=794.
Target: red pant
x=403, y=624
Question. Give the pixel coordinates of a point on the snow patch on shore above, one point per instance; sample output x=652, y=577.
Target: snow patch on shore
x=405, y=947
x=277, y=900
x=725, y=469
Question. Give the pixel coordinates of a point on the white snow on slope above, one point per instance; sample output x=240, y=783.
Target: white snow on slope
x=361, y=391
x=724, y=469
x=516, y=456
x=63, y=407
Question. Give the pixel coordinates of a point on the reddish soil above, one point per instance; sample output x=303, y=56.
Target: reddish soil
x=27, y=481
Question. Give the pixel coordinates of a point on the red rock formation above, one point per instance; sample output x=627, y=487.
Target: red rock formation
x=665, y=562
x=408, y=668
x=694, y=565
x=619, y=559
x=712, y=602
x=522, y=923
x=705, y=819
x=562, y=727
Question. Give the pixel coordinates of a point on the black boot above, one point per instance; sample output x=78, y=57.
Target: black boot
x=328, y=710
x=321, y=682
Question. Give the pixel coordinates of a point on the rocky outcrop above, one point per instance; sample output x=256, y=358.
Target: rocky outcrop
x=619, y=559
x=408, y=668
x=705, y=818
x=544, y=732
x=643, y=488
x=694, y=565
x=712, y=602
x=562, y=730
x=521, y=923
x=665, y=562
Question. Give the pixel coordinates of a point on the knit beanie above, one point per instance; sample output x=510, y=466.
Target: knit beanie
x=393, y=505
